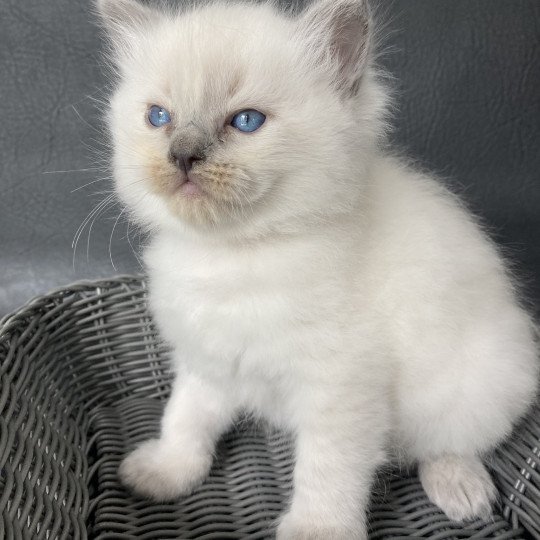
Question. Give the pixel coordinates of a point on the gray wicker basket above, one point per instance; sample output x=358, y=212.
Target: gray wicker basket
x=84, y=378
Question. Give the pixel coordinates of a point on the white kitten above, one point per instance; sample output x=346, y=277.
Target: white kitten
x=302, y=273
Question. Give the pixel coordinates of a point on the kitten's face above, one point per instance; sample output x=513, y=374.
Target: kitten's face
x=189, y=164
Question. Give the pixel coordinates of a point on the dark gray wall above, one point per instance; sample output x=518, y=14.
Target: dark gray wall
x=468, y=94
x=51, y=75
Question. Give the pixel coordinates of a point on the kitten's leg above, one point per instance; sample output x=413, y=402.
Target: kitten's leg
x=460, y=486
x=165, y=468
x=336, y=457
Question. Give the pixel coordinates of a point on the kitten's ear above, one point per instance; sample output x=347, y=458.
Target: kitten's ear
x=338, y=33
x=124, y=18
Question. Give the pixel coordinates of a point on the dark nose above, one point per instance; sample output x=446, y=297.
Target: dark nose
x=184, y=161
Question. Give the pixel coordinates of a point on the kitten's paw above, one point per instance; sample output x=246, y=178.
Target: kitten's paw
x=461, y=487
x=294, y=527
x=163, y=472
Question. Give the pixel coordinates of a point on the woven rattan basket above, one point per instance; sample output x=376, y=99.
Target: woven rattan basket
x=84, y=378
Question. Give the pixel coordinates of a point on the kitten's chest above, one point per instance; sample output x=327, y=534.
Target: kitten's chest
x=223, y=315
x=230, y=310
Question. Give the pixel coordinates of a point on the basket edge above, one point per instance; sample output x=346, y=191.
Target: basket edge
x=9, y=321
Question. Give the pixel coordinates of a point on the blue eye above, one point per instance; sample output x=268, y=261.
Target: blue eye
x=248, y=121
x=158, y=116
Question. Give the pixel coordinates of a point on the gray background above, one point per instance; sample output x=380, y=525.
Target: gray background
x=468, y=94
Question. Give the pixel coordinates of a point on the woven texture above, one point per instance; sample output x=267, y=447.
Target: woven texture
x=83, y=379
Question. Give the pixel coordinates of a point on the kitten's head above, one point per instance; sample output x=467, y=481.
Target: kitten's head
x=239, y=117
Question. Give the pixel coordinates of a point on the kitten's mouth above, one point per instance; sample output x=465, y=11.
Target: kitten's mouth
x=189, y=186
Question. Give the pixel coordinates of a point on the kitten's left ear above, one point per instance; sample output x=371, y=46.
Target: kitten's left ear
x=338, y=32
x=125, y=18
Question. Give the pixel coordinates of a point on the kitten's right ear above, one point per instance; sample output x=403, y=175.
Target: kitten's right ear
x=338, y=37
x=123, y=19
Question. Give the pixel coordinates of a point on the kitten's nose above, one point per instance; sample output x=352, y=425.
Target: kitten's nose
x=184, y=161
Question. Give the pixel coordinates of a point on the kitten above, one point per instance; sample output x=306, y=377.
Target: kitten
x=301, y=272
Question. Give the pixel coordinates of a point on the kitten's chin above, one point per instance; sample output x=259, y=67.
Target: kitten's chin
x=194, y=204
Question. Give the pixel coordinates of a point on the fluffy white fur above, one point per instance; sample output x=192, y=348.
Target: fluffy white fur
x=316, y=280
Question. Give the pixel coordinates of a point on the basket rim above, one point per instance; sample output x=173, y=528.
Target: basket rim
x=11, y=320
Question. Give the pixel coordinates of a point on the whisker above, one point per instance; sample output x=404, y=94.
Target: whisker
x=91, y=97
x=89, y=184
x=131, y=245
x=103, y=209
x=93, y=128
x=80, y=230
x=89, y=169
x=87, y=218
x=111, y=238
x=97, y=209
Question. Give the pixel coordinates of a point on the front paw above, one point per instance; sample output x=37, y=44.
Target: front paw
x=163, y=471
x=293, y=527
